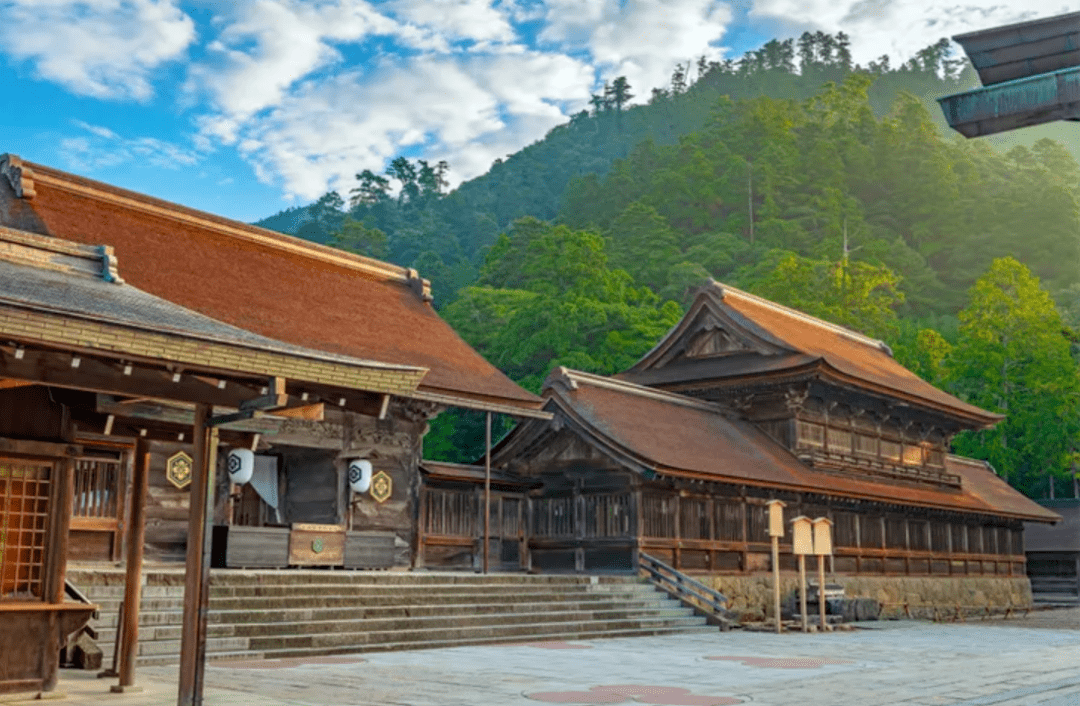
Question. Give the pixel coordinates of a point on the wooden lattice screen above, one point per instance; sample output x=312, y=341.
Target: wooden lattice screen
x=24, y=514
x=97, y=488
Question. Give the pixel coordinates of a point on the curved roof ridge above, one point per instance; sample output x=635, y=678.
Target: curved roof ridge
x=725, y=290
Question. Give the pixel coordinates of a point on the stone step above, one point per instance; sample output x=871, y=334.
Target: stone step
x=296, y=613
x=345, y=643
x=522, y=630
x=300, y=613
x=255, y=603
x=236, y=577
x=226, y=656
x=376, y=624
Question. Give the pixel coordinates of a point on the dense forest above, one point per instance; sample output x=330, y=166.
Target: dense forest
x=792, y=173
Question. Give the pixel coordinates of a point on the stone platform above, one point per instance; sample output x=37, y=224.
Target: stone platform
x=978, y=663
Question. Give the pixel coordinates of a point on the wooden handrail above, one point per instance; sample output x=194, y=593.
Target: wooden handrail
x=688, y=590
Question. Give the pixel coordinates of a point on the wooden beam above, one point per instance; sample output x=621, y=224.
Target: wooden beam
x=92, y=375
x=275, y=396
x=136, y=535
x=38, y=448
x=7, y=384
x=311, y=412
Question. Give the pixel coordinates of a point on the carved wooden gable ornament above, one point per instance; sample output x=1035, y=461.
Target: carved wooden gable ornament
x=714, y=341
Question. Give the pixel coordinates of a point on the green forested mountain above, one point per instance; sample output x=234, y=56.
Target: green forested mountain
x=445, y=235
x=827, y=187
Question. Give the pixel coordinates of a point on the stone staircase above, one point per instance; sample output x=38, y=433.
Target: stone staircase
x=296, y=613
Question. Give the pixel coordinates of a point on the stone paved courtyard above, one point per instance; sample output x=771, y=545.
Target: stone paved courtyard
x=979, y=663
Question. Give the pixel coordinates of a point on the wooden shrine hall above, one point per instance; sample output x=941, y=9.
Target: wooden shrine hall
x=742, y=402
x=306, y=357
x=71, y=330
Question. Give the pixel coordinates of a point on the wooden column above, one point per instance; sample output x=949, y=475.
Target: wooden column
x=487, y=489
x=197, y=568
x=136, y=534
x=56, y=565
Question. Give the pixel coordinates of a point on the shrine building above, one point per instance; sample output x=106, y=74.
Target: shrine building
x=742, y=402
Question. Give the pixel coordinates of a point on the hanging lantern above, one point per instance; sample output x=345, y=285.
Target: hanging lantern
x=360, y=475
x=241, y=465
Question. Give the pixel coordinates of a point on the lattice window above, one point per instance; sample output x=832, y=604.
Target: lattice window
x=694, y=518
x=866, y=445
x=728, y=520
x=24, y=514
x=97, y=488
x=917, y=535
x=608, y=514
x=846, y=529
x=811, y=434
x=839, y=440
x=939, y=536
x=450, y=513
x=913, y=455
x=757, y=523
x=935, y=457
x=659, y=515
x=975, y=539
x=895, y=533
x=890, y=450
x=870, y=531
x=959, y=538
x=1016, y=541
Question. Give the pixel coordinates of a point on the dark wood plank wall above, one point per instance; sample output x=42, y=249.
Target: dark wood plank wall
x=721, y=528
x=723, y=532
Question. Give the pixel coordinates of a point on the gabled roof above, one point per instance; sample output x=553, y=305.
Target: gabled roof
x=773, y=339
x=72, y=297
x=271, y=284
x=653, y=431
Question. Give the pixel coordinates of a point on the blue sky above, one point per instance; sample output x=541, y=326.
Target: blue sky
x=248, y=107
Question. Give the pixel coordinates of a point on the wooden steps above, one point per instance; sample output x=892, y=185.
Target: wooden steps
x=283, y=613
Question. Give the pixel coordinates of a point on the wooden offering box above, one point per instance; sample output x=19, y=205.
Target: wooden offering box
x=316, y=545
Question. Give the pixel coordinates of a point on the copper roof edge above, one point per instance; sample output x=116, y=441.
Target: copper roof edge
x=570, y=379
x=454, y=398
x=25, y=176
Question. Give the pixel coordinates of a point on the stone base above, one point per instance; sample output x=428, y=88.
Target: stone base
x=751, y=597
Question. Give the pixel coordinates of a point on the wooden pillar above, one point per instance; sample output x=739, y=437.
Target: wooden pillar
x=821, y=589
x=56, y=565
x=197, y=567
x=487, y=489
x=136, y=534
x=802, y=593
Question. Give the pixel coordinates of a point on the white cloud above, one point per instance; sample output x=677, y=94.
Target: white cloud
x=476, y=20
x=104, y=48
x=105, y=148
x=639, y=39
x=465, y=110
x=896, y=28
x=268, y=45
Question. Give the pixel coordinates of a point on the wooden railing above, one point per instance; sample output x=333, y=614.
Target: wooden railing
x=690, y=591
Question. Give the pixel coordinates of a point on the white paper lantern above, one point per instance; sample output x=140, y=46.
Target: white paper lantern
x=241, y=465
x=360, y=475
